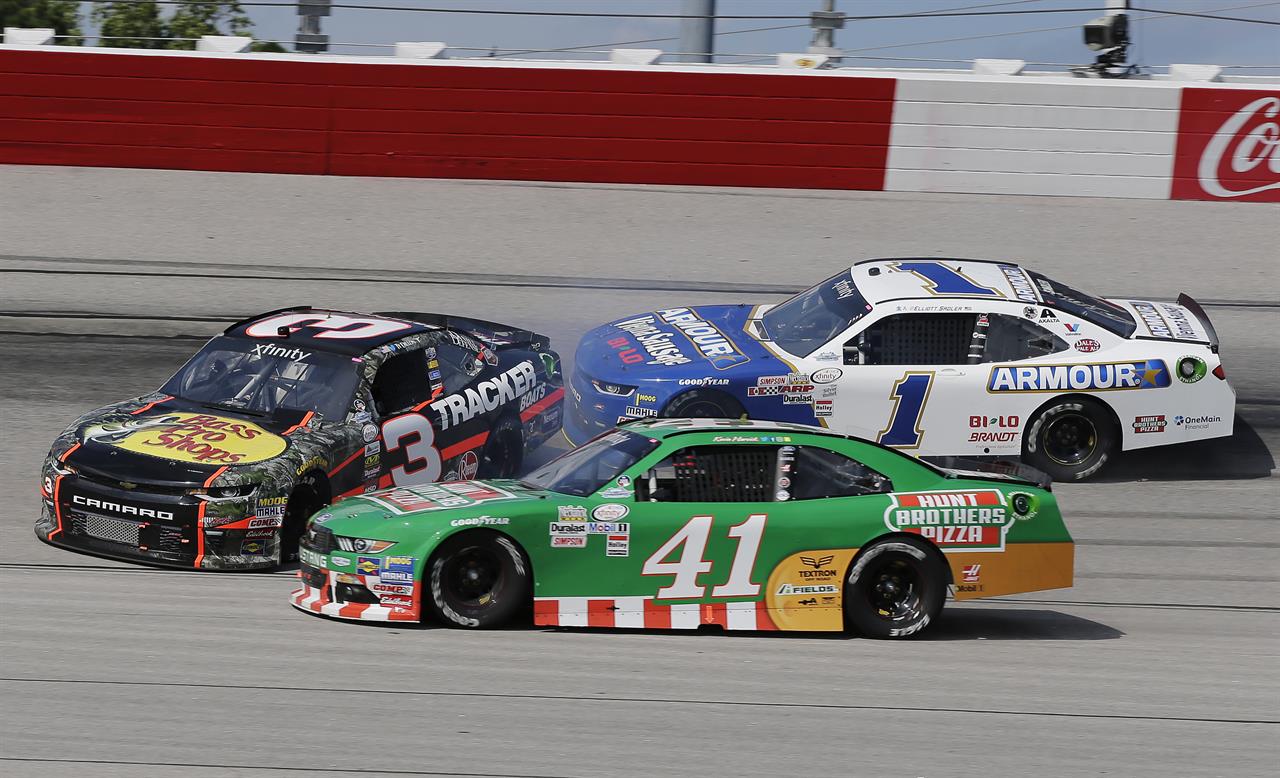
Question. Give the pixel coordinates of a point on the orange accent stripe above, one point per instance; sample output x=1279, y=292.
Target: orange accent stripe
x=57, y=488
x=345, y=462
x=763, y=620
x=542, y=405
x=475, y=441
x=305, y=420
x=353, y=610
x=546, y=613
x=150, y=405
x=600, y=613
x=200, y=518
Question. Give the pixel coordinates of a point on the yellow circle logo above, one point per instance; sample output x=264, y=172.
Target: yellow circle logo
x=191, y=437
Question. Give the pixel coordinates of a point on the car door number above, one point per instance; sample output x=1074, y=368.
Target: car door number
x=909, y=396
x=691, y=542
x=414, y=433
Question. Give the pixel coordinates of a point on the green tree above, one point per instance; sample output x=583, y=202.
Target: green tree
x=62, y=15
x=129, y=25
x=196, y=17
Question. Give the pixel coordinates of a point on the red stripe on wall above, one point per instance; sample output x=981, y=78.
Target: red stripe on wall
x=715, y=613
x=444, y=120
x=600, y=613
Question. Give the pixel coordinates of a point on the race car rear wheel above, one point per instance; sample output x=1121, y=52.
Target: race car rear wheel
x=304, y=502
x=504, y=451
x=477, y=579
x=704, y=404
x=895, y=589
x=1070, y=440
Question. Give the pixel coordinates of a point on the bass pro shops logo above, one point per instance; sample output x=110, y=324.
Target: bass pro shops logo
x=1228, y=146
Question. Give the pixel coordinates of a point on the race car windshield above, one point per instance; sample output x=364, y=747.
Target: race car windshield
x=253, y=377
x=1107, y=315
x=584, y=470
x=812, y=318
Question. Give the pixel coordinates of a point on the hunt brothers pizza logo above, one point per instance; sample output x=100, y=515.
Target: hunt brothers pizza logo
x=1228, y=146
x=971, y=520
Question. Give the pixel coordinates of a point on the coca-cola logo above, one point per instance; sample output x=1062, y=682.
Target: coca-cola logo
x=1228, y=145
x=1243, y=144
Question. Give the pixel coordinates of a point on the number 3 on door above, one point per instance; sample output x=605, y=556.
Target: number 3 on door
x=909, y=395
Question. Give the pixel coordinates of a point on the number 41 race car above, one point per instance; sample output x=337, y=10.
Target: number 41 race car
x=286, y=412
x=934, y=357
x=679, y=523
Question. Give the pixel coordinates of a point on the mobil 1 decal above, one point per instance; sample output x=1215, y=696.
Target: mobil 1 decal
x=963, y=520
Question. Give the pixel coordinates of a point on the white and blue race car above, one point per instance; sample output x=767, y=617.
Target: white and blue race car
x=938, y=357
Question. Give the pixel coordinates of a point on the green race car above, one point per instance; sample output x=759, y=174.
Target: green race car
x=678, y=523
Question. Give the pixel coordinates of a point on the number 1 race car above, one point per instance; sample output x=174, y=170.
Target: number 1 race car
x=286, y=412
x=935, y=357
x=677, y=523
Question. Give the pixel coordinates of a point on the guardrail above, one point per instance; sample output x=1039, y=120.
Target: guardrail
x=630, y=121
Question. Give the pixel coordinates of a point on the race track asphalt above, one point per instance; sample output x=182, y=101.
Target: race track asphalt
x=1163, y=660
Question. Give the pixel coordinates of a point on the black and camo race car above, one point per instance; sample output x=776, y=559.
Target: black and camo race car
x=285, y=413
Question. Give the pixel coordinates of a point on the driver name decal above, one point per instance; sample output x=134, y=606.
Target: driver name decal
x=191, y=437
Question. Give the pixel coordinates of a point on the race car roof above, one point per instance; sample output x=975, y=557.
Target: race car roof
x=932, y=278
x=341, y=332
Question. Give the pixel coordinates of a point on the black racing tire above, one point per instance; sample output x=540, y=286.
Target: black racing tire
x=1070, y=439
x=704, y=404
x=504, y=451
x=477, y=580
x=303, y=503
x=895, y=589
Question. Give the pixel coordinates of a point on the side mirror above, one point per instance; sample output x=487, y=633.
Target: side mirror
x=855, y=352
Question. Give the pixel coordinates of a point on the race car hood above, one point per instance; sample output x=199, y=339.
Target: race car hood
x=403, y=513
x=1165, y=321
x=172, y=443
x=673, y=343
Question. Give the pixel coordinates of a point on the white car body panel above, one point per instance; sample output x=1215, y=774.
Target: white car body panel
x=984, y=409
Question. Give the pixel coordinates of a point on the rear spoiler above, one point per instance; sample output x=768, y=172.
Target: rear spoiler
x=1187, y=302
x=496, y=336
x=995, y=470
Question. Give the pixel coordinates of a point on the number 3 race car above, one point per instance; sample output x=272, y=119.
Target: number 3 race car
x=940, y=358
x=286, y=412
x=677, y=523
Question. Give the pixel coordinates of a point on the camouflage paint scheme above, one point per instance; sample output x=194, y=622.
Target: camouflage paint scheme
x=601, y=580
x=176, y=528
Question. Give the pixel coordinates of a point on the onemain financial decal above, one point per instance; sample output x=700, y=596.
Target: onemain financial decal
x=1099, y=377
x=710, y=342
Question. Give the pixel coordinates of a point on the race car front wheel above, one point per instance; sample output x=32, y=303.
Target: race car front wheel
x=895, y=589
x=304, y=501
x=477, y=579
x=504, y=451
x=1070, y=440
x=703, y=404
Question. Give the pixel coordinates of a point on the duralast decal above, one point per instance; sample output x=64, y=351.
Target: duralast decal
x=190, y=437
x=968, y=520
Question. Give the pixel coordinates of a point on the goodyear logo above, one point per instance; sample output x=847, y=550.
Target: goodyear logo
x=1099, y=377
x=710, y=342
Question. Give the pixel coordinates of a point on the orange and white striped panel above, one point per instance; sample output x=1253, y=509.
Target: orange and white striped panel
x=647, y=613
x=317, y=601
